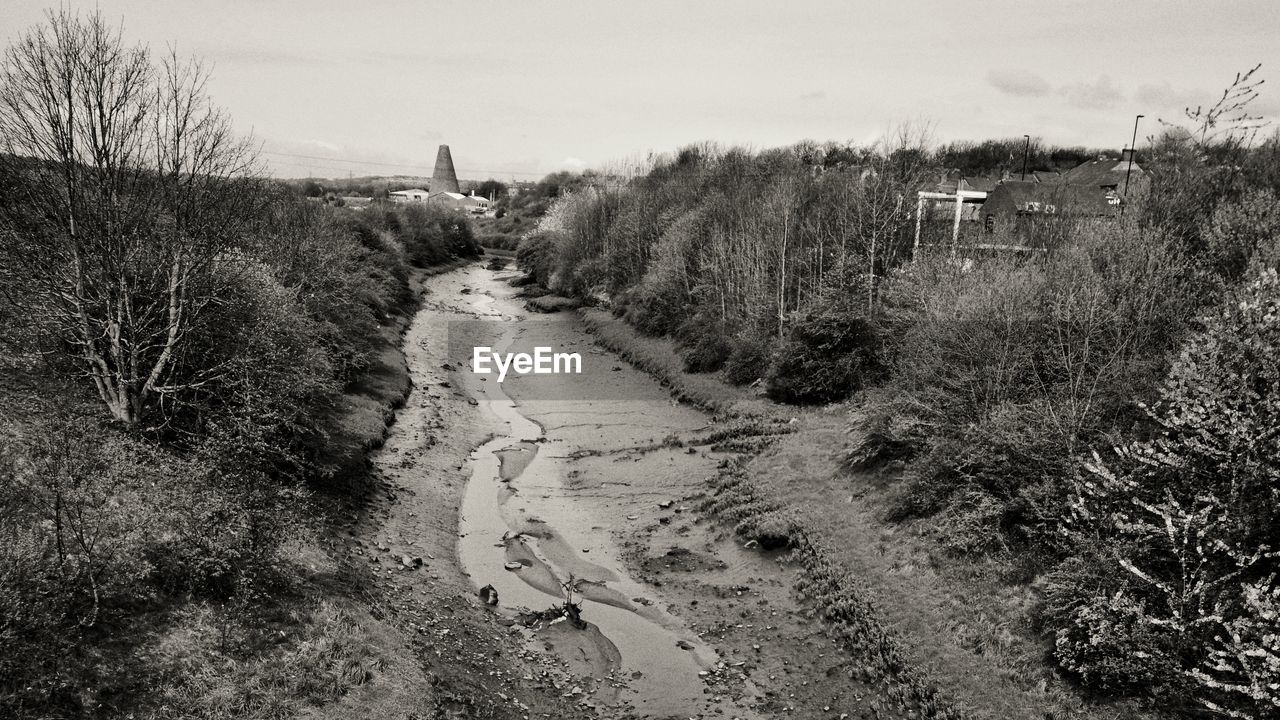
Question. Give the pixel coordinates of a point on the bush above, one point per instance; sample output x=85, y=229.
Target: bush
x=706, y=353
x=224, y=536
x=880, y=439
x=829, y=353
x=434, y=235
x=1191, y=515
x=78, y=503
x=1109, y=647
x=748, y=358
x=1238, y=230
x=268, y=406
x=536, y=256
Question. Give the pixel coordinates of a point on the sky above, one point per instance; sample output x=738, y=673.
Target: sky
x=521, y=88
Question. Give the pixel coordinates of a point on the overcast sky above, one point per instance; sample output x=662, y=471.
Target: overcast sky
x=518, y=89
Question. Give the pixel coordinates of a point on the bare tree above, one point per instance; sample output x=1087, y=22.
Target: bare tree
x=131, y=182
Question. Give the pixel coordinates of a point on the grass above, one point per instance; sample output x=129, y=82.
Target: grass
x=277, y=661
x=660, y=357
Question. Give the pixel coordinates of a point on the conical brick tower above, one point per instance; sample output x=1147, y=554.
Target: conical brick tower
x=443, y=178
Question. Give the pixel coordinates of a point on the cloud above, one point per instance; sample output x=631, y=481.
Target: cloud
x=244, y=55
x=573, y=163
x=1165, y=97
x=1018, y=83
x=322, y=145
x=815, y=95
x=1267, y=107
x=1098, y=95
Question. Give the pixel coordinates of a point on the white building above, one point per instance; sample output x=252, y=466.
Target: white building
x=414, y=195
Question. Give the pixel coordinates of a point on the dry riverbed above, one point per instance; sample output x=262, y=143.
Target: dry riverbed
x=597, y=477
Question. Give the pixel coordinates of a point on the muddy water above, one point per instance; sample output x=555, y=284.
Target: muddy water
x=529, y=508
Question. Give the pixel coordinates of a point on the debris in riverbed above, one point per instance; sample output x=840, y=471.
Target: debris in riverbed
x=513, y=565
x=666, y=504
x=489, y=595
x=684, y=644
x=571, y=609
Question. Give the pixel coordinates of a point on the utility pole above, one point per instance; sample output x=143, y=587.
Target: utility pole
x=1026, y=148
x=1133, y=149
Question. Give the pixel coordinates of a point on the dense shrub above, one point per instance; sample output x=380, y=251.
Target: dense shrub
x=223, y=534
x=78, y=503
x=706, y=353
x=828, y=353
x=1113, y=651
x=536, y=256
x=1016, y=363
x=434, y=235
x=1243, y=231
x=748, y=358
x=1191, y=515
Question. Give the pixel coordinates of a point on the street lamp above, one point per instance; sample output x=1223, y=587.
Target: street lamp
x=1133, y=149
x=1025, y=149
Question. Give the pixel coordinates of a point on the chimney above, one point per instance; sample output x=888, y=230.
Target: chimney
x=1126, y=155
x=444, y=179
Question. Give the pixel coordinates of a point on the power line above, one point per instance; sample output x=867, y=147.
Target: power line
x=396, y=165
x=310, y=167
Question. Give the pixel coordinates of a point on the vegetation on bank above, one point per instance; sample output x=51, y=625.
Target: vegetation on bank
x=177, y=336
x=517, y=214
x=1095, y=420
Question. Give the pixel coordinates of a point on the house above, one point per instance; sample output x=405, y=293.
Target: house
x=1033, y=212
x=475, y=204
x=467, y=203
x=1106, y=174
x=414, y=195
x=1031, y=205
x=1015, y=198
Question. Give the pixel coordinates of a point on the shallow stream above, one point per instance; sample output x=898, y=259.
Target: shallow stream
x=519, y=511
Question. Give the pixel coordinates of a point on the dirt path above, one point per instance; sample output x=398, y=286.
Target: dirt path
x=596, y=475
